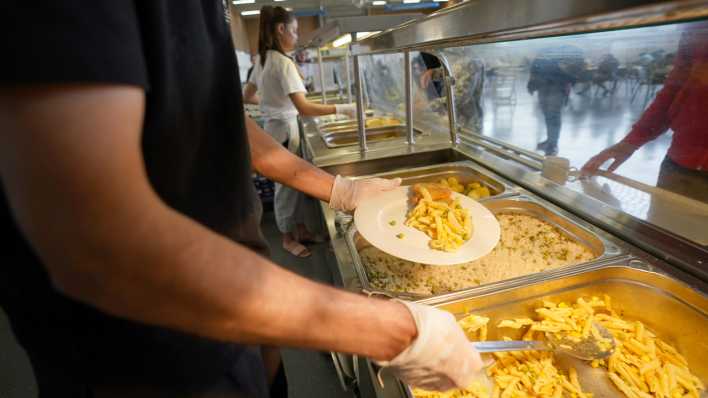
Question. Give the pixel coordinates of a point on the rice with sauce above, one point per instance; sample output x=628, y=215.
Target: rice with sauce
x=527, y=245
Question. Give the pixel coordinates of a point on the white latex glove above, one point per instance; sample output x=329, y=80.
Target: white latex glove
x=347, y=193
x=440, y=358
x=346, y=109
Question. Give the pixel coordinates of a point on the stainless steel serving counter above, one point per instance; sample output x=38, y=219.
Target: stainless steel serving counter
x=626, y=235
x=321, y=155
x=678, y=313
x=436, y=149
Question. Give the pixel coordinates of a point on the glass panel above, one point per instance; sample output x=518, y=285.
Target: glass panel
x=384, y=91
x=335, y=74
x=638, y=96
x=429, y=97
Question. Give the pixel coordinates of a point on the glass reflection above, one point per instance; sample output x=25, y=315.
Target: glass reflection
x=383, y=83
x=627, y=106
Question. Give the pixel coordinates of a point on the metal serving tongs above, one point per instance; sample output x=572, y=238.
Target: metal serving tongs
x=587, y=349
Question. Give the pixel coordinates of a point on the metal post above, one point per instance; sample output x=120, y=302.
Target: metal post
x=449, y=81
x=349, y=76
x=360, y=105
x=408, y=81
x=322, y=75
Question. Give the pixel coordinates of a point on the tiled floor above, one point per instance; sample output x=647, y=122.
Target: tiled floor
x=310, y=374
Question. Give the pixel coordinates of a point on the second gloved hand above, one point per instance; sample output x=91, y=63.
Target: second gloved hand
x=440, y=358
x=348, y=110
x=347, y=193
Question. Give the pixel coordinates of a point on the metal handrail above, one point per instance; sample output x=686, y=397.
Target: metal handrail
x=503, y=151
x=506, y=145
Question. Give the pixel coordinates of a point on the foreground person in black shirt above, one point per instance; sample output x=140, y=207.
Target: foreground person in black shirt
x=131, y=265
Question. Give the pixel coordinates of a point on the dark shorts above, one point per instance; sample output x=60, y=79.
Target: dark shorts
x=677, y=179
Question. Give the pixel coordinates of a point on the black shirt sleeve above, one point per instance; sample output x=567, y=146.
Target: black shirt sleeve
x=70, y=41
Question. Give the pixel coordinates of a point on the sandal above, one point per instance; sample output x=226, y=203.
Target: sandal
x=297, y=249
x=308, y=238
x=311, y=239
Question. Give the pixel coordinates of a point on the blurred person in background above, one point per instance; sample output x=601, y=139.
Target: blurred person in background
x=469, y=84
x=681, y=106
x=553, y=73
x=276, y=84
x=606, y=73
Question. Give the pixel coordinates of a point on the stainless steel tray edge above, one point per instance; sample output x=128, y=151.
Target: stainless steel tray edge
x=509, y=188
x=628, y=262
x=611, y=253
x=329, y=137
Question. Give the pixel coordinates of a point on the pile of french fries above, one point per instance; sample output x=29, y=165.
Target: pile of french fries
x=447, y=224
x=642, y=365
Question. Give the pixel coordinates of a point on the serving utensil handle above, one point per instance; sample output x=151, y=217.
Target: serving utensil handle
x=513, y=345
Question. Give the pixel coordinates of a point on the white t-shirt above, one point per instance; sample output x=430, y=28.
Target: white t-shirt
x=276, y=80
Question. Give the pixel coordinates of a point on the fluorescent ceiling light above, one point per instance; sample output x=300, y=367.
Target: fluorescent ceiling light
x=440, y=1
x=379, y=2
x=410, y=1
x=250, y=12
x=237, y=2
x=342, y=40
x=284, y=0
x=364, y=35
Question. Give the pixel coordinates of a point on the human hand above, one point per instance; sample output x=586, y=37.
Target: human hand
x=620, y=152
x=347, y=193
x=440, y=358
x=346, y=109
x=426, y=77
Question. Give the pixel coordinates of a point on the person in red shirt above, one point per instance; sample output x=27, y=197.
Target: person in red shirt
x=681, y=106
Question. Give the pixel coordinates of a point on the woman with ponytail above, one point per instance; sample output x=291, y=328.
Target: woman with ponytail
x=282, y=98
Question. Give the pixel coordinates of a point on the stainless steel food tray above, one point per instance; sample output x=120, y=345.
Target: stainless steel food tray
x=575, y=229
x=339, y=120
x=673, y=310
x=327, y=127
x=351, y=137
x=465, y=171
x=352, y=126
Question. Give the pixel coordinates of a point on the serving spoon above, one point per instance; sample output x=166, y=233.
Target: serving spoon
x=587, y=349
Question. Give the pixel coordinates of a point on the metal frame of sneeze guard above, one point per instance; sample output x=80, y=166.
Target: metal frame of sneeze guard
x=483, y=22
x=449, y=81
x=360, y=111
x=322, y=76
x=408, y=82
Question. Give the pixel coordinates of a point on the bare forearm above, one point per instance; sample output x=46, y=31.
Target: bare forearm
x=276, y=163
x=307, y=108
x=194, y=280
x=253, y=100
x=107, y=239
x=312, y=109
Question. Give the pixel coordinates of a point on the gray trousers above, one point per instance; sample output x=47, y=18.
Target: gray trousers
x=289, y=205
x=552, y=99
